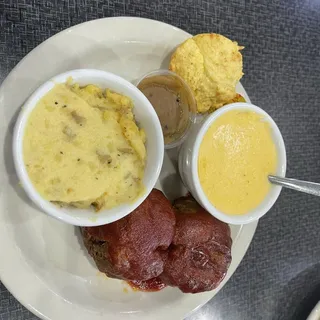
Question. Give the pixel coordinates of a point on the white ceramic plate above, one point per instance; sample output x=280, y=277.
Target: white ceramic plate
x=315, y=314
x=42, y=261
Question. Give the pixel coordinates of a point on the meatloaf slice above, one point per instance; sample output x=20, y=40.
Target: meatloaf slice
x=200, y=253
x=134, y=247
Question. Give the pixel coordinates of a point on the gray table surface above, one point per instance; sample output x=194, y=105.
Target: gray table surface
x=279, y=277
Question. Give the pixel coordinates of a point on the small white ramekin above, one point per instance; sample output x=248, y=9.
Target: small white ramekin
x=188, y=165
x=145, y=116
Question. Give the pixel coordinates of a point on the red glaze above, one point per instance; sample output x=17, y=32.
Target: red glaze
x=151, y=285
x=200, y=253
x=134, y=247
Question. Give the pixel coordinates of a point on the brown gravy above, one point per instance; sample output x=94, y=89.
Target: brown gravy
x=171, y=102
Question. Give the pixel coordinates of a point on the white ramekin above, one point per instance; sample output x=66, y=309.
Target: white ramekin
x=145, y=116
x=188, y=165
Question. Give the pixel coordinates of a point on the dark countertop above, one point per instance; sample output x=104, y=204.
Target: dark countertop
x=279, y=277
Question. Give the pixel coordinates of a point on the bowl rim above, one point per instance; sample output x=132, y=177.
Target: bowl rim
x=262, y=209
x=192, y=114
x=17, y=147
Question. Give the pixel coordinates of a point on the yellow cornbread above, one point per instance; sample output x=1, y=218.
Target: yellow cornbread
x=211, y=64
x=236, y=156
x=82, y=146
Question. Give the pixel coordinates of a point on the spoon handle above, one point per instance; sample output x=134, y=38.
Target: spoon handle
x=298, y=185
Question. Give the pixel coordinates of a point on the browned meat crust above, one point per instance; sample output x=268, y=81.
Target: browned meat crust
x=200, y=253
x=134, y=247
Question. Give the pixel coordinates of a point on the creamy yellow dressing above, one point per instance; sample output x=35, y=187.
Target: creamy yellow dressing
x=236, y=156
x=82, y=146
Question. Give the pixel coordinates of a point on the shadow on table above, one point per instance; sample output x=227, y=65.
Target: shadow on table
x=299, y=296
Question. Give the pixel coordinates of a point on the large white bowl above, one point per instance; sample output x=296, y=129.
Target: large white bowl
x=188, y=165
x=145, y=116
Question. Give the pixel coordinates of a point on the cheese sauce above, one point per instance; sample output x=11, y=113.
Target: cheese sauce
x=236, y=156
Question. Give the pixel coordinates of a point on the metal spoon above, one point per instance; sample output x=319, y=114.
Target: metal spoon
x=298, y=185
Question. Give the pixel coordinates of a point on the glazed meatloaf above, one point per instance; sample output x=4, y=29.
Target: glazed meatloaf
x=200, y=253
x=134, y=247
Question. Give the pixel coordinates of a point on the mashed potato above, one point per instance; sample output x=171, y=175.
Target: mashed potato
x=82, y=147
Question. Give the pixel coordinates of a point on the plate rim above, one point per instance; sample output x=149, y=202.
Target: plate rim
x=246, y=236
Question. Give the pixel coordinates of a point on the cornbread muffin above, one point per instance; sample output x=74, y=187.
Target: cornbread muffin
x=237, y=98
x=212, y=65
